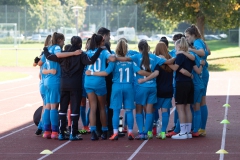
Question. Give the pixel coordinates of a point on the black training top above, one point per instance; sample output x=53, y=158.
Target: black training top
x=72, y=68
x=185, y=63
x=164, y=84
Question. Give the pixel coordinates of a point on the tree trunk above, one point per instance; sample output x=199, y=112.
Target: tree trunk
x=200, y=25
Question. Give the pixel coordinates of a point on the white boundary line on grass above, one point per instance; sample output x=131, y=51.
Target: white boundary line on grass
x=16, y=80
x=144, y=142
x=225, y=125
x=16, y=131
x=59, y=147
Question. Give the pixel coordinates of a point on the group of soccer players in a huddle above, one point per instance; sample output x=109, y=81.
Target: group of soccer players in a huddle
x=141, y=80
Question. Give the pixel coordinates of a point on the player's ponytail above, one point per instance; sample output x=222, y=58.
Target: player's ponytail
x=56, y=37
x=143, y=47
x=121, y=49
x=96, y=40
x=183, y=45
x=193, y=30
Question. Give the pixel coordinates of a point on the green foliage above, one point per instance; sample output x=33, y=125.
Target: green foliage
x=217, y=14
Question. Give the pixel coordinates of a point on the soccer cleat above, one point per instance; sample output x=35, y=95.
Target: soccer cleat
x=180, y=136
x=94, y=136
x=202, y=132
x=47, y=134
x=82, y=131
x=195, y=134
x=161, y=135
x=104, y=135
x=87, y=129
x=130, y=136
x=54, y=135
x=62, y=137
x=170, y=134
x=75, y=137
x=189, y=135
x=150, y=135
x=38, y=132
x=138, y=137
x=114, y=137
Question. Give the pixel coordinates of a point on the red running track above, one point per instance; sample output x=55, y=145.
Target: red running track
x=20, y=99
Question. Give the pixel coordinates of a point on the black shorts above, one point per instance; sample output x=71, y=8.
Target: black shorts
x=184, y=92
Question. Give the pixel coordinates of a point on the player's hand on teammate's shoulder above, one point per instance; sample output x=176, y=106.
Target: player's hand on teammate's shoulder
x=77, y=52
x=88, y=72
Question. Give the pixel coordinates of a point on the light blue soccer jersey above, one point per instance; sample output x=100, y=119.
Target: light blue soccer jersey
x=98, y=66
x=172, y=53
x=123, y=72
x=197, y=80
x=43, y=59
x=131, y=53
x=199, y=44
x=154, y=60
x=53, y=78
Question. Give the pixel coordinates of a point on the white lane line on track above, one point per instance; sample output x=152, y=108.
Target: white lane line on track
x=16, y=131
x=25, y=106
x=144, y=142
x=225, y=125
x=18, y=96
x=59, y=147
x=16, y=80
x=17, y=87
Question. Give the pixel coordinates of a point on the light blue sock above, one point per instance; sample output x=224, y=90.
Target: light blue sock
x=165, y=120
x=46, y=119
x=93, y=128
x=197, y=120
x=83, y=115
x=87, y=118
x=204, y=116
x=175, y=117
x=130, y=119
x=115, y=118
x=104, y=129
x=177, y=128
x=54, y=120
x=148, y=123
x=40, y=125
x=139, y=119
x=125, y=118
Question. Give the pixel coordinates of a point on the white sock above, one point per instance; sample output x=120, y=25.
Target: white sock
x=115, y=131
x=188, y=127
x=183, y=128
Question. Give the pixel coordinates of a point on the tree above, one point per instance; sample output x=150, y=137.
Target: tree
x=217, y=14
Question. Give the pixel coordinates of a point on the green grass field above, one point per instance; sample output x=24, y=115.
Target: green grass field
x=224, y=56
x=11, y=75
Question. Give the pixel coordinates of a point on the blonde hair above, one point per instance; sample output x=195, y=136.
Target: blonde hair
x=122, y=48
x=161, y=49
x=183, y=45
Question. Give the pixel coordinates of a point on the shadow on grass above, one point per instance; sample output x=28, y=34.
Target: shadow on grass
x=223, y=58
x=216, y=67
